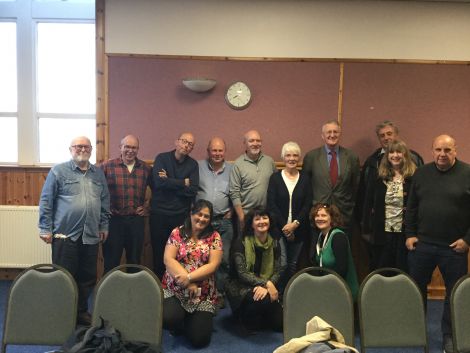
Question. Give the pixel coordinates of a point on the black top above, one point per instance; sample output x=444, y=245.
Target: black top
x=170, y=196
x=340, y=246
x=278, y=204
x=438, y=209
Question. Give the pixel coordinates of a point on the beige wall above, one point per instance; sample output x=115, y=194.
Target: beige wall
x=296, y=28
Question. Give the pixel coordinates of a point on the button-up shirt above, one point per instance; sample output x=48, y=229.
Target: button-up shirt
x=329, y=156
x=214, y=186
x=127, y=189
x=74, y=203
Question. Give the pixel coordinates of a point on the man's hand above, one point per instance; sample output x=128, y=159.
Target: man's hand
x=141, y=211
x=459, y=245
x=47, y=238
x=162, y=174
x=187, y=182
x=103, y=236
x=411, y=243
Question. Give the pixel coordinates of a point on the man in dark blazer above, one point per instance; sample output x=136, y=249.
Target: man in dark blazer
x=334, y=184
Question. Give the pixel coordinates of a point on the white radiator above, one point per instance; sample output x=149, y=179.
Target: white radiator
x=20, y=245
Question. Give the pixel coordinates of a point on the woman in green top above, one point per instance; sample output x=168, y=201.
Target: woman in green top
x=331, y=248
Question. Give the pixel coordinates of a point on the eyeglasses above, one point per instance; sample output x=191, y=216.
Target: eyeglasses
x=186, y=142
x=133, y=148
x=86, y=148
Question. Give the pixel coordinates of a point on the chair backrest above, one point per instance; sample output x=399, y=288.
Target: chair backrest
x=41, y=308
x=317, y=291
x=132, y=303
x=460, y=309
x=391, y=311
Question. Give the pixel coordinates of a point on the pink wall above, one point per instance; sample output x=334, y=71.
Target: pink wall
x=291, y=100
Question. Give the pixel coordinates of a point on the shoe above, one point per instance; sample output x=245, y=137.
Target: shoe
x=84, y=318
x=448, y=344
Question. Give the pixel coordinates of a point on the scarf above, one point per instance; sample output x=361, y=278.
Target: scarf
x=267, y=261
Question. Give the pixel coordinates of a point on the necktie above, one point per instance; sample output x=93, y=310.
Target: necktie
x=333, y=168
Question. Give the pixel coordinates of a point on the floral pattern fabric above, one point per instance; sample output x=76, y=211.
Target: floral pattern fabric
x=192, y=255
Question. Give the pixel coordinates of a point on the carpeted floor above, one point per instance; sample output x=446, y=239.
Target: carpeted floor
x=227, y=338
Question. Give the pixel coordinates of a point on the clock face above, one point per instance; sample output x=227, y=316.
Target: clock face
x=238, y=95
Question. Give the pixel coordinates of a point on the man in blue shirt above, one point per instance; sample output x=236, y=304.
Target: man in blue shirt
x=214, y=174
x=73, y=217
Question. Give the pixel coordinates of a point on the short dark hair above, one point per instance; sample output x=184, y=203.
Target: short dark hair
x=198, y=206
x=332, y=210
x=258, y=211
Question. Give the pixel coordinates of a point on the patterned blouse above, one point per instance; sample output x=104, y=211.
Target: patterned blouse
x=192, y=255
x=394, y=206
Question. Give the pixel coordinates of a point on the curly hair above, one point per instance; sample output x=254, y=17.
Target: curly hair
x=333, y=212
x=248, y=229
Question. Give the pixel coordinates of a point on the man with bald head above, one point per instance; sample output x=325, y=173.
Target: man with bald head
x=128, y=178
x=250, y=177
x=214, y=175
x=437, y=223
x=175, y=181
x=73, y=217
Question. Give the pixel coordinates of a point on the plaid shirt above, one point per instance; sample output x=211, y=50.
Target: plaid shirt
x=127, y=190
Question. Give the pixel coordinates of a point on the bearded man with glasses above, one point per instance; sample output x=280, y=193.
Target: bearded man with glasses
x=73, y=217
x=175, y=182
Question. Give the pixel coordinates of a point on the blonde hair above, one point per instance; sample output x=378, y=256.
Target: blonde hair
x=407, y=167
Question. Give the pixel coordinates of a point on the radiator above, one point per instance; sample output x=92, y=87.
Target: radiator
x=20, y=245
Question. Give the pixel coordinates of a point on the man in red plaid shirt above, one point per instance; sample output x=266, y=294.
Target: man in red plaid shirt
x=128, y=178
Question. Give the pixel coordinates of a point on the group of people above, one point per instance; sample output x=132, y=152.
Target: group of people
x=238, y=232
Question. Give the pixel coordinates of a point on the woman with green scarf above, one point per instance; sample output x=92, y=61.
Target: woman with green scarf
x=255, y=270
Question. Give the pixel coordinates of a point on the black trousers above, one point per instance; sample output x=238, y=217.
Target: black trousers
x=80, y=260
x=197, y=326
x=160, y=229
x=125, y=232
x=260, y=314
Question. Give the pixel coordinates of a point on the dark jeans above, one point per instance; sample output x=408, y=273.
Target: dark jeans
x=453, y=265
x=160, y=229
x=260, y=314
x=125, y=232
x=80, y=260
x=197, y=325
x=225, y=229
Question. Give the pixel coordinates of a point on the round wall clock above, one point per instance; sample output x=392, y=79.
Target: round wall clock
x=238, y=95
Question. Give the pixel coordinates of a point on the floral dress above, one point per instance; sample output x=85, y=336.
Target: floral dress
x=191, y=255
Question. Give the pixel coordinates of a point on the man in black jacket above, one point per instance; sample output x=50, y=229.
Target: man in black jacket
x=437, y=223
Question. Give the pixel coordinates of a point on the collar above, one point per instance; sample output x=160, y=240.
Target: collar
x=136, y=162
x=220, y=171
x=328, y=150
x=252, y=161
x=74, y=166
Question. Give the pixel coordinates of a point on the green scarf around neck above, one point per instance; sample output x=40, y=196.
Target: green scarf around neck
x=267, y=261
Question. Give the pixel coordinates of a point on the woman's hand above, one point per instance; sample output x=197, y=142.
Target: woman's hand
x=193, y=291
x=259, y=293
x=272, y=290
x=182, y=279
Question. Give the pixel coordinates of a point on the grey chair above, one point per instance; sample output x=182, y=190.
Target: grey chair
x=41, y=308
x=317, y=291
x=460, y=311
x=391, y=311
x=132, y=303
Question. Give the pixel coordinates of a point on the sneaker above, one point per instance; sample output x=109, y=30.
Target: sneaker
x=448, y=344
x=84, y=318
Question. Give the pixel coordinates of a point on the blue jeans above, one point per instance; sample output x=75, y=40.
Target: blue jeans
x=225, y=229
x=453, y=265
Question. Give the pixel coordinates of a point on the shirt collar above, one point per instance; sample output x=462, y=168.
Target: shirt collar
x=136, y=162
x=221, y=170
x=252, y=161
x=74, y=166
x=328, y=150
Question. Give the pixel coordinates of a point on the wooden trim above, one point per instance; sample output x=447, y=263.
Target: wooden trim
x=101, y=103
x=340, y=93
x=329, y=60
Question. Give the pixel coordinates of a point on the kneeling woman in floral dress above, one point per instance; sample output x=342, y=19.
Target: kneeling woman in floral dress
x=192, y=255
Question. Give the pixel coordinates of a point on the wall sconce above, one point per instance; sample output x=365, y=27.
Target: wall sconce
x=199, y=84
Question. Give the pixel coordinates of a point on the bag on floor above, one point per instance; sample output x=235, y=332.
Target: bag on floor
x=103, y=339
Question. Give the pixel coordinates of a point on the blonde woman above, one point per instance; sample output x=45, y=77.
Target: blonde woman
x=385, y=204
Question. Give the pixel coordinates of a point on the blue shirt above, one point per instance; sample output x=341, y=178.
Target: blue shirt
x=74, y=203
x=329, y=156
x=214, y=186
